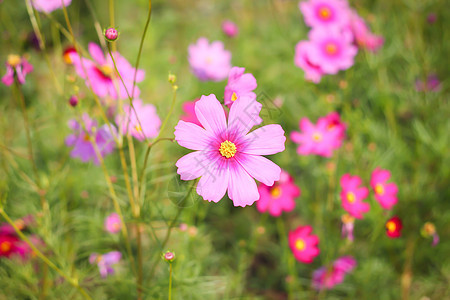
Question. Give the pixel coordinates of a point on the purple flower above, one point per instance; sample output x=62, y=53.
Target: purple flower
x=105, y=262
x=239, y=85
x=16, y=65
x=209, y=61
x=327, y=278
x=80, y=140
x=431, y=85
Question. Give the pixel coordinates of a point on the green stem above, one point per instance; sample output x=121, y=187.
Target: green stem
x=287, y=257
x=170, y=281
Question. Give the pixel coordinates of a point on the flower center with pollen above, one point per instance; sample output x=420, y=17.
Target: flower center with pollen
x=138, y=128
x=86, y=137
x=275, y=192
x=106, y=70
x=300, y=244
x=317, y=137
x=233, y=97
x=351, y=197
x=379, y=189
x=13, y=60
x=391, y=227
x=331, y=48
x=324, y=13
x=227, y=149
x=5, y=247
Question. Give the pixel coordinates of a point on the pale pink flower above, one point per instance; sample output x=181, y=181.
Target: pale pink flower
x=348, y=224
x=102, y=76
x=279, y=197
x=16, y=65
x=105, y=262
x=230, y=28
x=189, y=112
x=142, y=122
x=227, y=157
x=325, y=13
x=113, y=224
x=363, y=36
x=385, y=193
x=303, y=244
x=239, y=85
x=302, y=53
x=209, y=61
x=48, y=6
x=352, y=196
x=328, y=277
x=332, y=49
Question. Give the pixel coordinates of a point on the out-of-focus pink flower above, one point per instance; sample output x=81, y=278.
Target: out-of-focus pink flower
x=429, y=230
x=67, y=54
x=385, y=193
x=48, y=6
x=332, y=49
x=189, y=112
x=327, y=278
x=101, y=75
x=113, y=224
x=142, y=122
x=394, y=227
x=80, y=140
x=348, y=224
x=431, y=18
x=105, y=262
x=320, y=139
x=239, y=85
x=303, y=244
x=363, y=36
x=302, y=53
x=12, y=245
x=227, y=157
x=432, y=84
x=352, y=196
x=279, y=197
x=325, y=13
x=209, y=61
x=16, y=65
x=230, y=28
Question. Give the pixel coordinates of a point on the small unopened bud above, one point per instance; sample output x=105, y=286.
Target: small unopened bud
x=172, y=78
x=169, y=256
x=73, y=101
x=111, y=34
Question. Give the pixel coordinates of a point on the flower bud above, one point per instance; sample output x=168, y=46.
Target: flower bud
x=111, y=34
x=73, y=101
x=172, y=78
x=169, y=256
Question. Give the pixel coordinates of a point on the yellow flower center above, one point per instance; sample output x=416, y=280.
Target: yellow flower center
x=99, y=258
x=324, y=13
x=138, y=128
x=300, y=244
x=13, y=60
x=331, y=48
x=227, y=149
x=347, y=219
x=379, y=189
x=67, y=59
x=233, y=97
x=275, y=192
x=209, y=60
x=391, y=226
x=86, y=137
x=429, y=228
x=5, y=246
x=351, y=197
x=106, y=70
x=116, y=226
x=317, y=137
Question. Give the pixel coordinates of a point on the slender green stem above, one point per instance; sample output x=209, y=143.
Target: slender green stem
x=287, y=257
x=97, y=26
x=170, y=281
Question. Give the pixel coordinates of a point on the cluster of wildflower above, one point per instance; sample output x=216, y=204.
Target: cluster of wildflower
x=336, y=32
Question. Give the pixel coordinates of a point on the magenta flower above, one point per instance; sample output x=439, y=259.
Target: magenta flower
x=332, y=49
x=189, y=112
x=48, y=6
x=363, y=36
x=320, y=139
x=352, y=196
x=327, y=278
x=11, y=245
x=227, y=157
x=230, y=28
x=105, y=262
x=348, y=224
x=113, y=224
x=432, y=84
x=302, y=53
x=16, y=65
x=325, y=13
x=209, y=61
x=239, y=85
x=280, y=197
x=304, y=244
x=385, y=193
x=142, y=122
x=80, y=140
x=101, y=74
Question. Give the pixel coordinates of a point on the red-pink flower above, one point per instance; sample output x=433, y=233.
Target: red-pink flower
x=209, y=61
x=304, y=244
x=113, y=224
x=302, y=53
x=227, y=157
x=279, y=197
x=239, y=85
x=230, y=28
x=352, y=196
x=394, y=227
x=189, y=112
x=325, y=13
x=328, y=277
x=363, y=36
x=385, y=193
x=16, y=65
x=48, y=6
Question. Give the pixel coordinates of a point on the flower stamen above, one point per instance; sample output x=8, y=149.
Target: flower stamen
x=227, y=149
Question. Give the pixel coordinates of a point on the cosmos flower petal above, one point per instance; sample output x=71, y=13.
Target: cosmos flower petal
x=265, y=140
x=242, y=187
x=214, y=182
x=211, y=114
x=192, y=136
x=260, y=168
x=244, y=114
x=194, y=164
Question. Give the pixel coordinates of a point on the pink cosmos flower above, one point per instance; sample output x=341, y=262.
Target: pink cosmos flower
x=320, y=139
x=80, y=140
x=230, y=28
x=332, y=49
x=113, y=224
x=105, y=262
x=394, y=227
x=16, y=65
x=189, y=112
x=327, y=278
x=11, y=245
x=239, y=85
x=280, y=197
x=348, y=224
x=352, y=196
x=302, y=53
x=325, y=13
x=101, y=74
x=142, y=122
x=304, y=244
x=48, y=6
x=209, y=61
x=363, y=36
x=385, y=193
x=227, y=157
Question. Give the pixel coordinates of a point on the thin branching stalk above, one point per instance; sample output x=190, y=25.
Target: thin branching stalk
x=170, y=281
